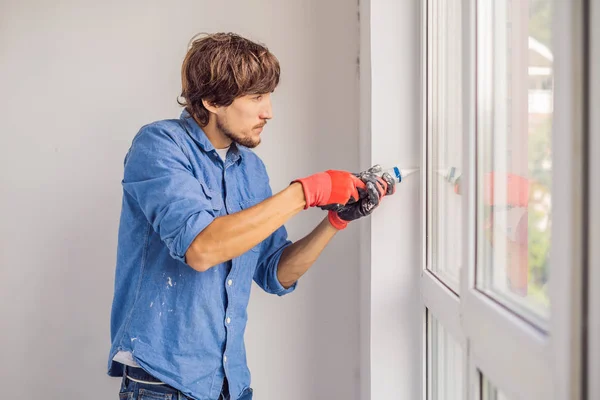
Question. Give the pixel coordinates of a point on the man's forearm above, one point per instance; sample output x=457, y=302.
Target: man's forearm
x=297, y=258
x=232, y=235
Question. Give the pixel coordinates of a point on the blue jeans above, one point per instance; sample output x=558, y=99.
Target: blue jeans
x=131, y=390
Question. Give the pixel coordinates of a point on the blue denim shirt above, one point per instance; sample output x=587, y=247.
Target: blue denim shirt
x=185, y=327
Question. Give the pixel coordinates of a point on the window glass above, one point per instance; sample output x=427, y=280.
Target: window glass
x=445, y=140
x=514, y=153
x=489, y=392
x=445, y=364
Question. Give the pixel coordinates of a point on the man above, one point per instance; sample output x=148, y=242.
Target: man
x=199, y=223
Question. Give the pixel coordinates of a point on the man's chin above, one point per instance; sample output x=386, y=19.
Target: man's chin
x=249, y=143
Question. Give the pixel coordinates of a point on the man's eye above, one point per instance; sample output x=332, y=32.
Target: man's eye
x=258, y=98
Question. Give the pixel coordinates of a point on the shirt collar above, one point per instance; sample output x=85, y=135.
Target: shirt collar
x=200, y=137
x=196, y=132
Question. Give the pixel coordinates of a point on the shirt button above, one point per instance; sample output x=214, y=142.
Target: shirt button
x=230, y=282
x=228, y=320
x=224, y=358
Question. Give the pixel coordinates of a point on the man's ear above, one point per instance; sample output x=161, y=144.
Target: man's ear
x=211, y=107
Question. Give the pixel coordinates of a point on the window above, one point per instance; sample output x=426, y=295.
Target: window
x=445, y=363
x=445, y=141
x=497, y=227
x=489, y=392
x=514, y=153
x=446, y=357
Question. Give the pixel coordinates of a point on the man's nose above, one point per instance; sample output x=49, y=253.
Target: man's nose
x=267, y=111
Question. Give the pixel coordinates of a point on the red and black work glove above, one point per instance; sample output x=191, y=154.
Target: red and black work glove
x=375, y=189
x=331, y=190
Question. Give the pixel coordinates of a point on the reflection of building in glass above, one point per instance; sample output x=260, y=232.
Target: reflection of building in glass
x=541, y=80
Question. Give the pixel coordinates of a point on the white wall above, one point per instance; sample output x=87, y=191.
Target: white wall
x=77, y=80
x=390, y=134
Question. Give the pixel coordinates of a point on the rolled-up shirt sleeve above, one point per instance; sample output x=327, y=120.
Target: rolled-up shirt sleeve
x=266, y=271
x=158, y=176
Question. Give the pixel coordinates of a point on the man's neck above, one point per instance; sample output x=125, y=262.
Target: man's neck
x=215, y=136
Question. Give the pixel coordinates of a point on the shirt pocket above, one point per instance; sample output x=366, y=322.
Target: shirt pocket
x=213, y=197
x=247, y=204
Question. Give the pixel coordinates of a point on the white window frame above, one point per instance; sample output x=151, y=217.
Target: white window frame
x=437, y=297
x=521, y=360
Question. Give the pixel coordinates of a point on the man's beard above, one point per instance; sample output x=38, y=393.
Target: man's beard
x=243, y=140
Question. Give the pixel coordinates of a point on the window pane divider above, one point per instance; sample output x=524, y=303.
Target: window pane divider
x=443, y=304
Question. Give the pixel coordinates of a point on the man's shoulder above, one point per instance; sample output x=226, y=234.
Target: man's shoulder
x=162, y=137
x=164, y=128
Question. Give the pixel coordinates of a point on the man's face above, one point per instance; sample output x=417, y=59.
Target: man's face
x=244, y=119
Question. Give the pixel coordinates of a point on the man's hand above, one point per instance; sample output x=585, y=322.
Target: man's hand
x=331, y=190
x=375, y=189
